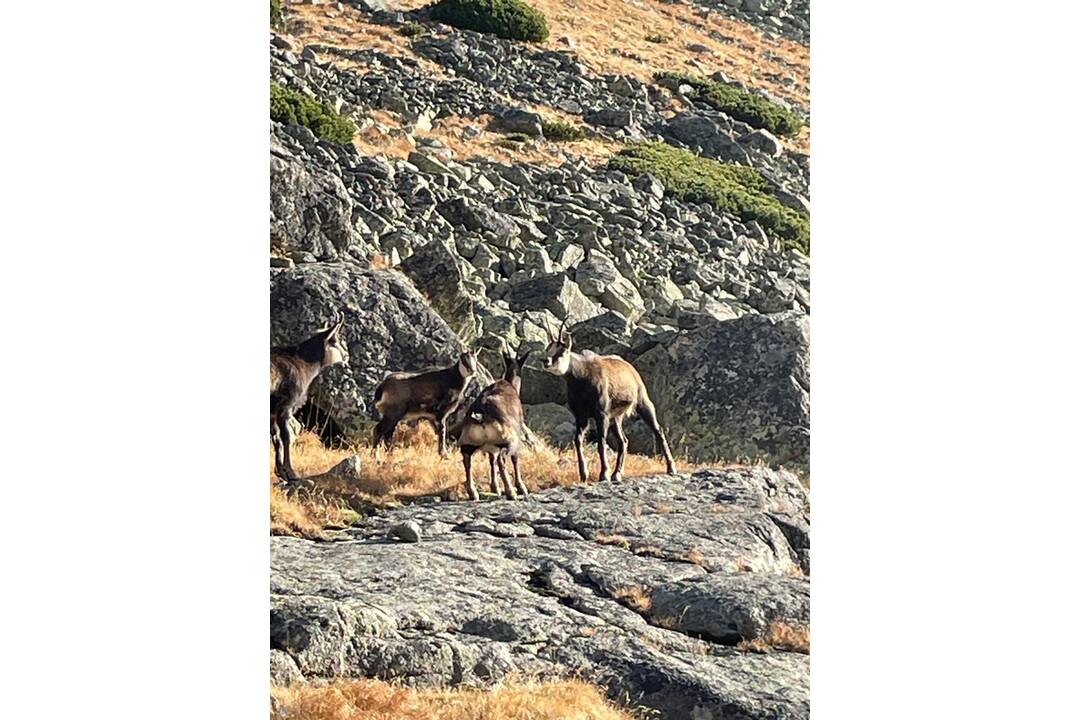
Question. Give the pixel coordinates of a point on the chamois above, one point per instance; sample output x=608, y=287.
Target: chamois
x=292, y=370
x=603, y=388
x=430, y=394
x=494, y=425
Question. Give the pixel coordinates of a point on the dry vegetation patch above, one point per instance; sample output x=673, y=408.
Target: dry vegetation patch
x=637, y=38
x=780, y=636
x=388, y=138
x=414, y=468
x=611, y=37
x=635, y=597
x=377, y=700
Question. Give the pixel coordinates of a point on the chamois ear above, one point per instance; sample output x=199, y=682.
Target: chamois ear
x=568, y=342
x=523, y=357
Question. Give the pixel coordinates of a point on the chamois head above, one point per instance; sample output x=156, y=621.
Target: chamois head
x=467, y=363
x=325, y=347
x=557, y=354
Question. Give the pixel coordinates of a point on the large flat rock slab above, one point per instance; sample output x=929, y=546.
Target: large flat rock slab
x=643, y=587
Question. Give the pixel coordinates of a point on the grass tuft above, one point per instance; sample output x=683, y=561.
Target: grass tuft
x=412, y=29
x=559, y=131
x=739, y=190
x=780, y=636
x=635, y=597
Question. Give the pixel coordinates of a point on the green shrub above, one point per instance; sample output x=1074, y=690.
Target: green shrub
x=656, y=38
x=559, y=131
x=513, y=141
x=290, y=106
x=739, y=104
x=739, y=190
x=510, y=19
x=412, y=29
x=277, y=16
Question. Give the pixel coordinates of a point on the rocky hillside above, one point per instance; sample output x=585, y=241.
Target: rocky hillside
x=688, y=595
x=484, y=220
x=640, y=174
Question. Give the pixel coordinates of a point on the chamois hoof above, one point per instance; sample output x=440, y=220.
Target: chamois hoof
x=617, y=477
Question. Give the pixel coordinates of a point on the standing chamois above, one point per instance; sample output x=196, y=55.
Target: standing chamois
x=494, y=425
x=601, y=388
x=292, y=369
x=430, y=394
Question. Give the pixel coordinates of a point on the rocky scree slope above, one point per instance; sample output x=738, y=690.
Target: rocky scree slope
x=645, y=587
x=493, y=249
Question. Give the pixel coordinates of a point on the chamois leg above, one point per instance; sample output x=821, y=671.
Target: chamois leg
x=602, y=424
x=384, y=431
x=279, y=457
x=286, y=446
x=648, y=413
x=470, y=487
x=517, y=477
x=620, y=436
x=440, y=432
x=579, y=438
x=511, y=494
x=494, y=480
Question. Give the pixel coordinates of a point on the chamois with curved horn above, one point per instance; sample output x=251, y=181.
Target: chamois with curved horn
x=428, y=394
x=292, y=370
x=494, y=424
x=605, y=389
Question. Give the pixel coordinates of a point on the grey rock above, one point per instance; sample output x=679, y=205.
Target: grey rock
x=547, y=420
x=599, y=279
x=427, y=163
x=736, y=388
x=477, y=217
x=408, y=531
x=643, y=587
x=310, y=210
x=610, y=117
x=436, y=270
x=554, y=292
x=764, y=141
x=523, y=121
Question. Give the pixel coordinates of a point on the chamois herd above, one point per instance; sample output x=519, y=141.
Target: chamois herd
x=603, y=388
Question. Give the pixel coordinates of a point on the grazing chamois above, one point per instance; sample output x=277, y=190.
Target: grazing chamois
x=494, y=425
x=603, y=388
x=430, y=394
x=292, y=369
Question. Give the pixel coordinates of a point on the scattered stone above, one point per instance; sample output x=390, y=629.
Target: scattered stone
x=408, y=531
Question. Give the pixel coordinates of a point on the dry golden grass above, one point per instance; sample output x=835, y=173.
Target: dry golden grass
x=377, y=700
x=780, y=636
x=634, y=597
x=412, y=469
x=450, y=131
x=609, y=37
x=695, y=556
x=612, y=539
